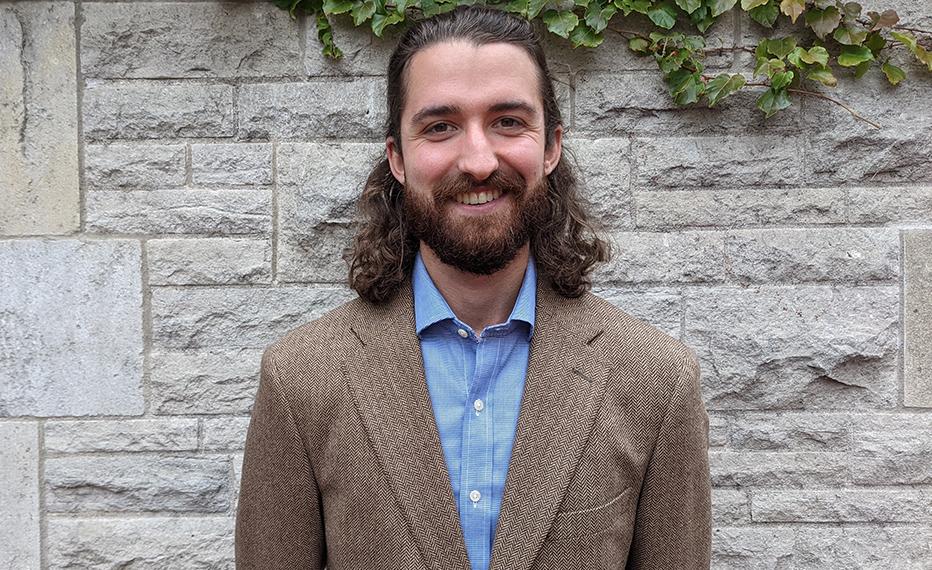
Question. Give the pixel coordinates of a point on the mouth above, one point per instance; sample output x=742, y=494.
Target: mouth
x=477, y=198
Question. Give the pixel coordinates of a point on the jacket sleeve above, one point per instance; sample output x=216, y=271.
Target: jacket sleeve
x=278, y=521
x=673, y=521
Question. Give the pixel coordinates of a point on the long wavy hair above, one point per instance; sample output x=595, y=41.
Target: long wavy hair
x=566, y=246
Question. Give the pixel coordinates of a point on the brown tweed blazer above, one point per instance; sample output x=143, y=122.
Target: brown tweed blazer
x=344, y=468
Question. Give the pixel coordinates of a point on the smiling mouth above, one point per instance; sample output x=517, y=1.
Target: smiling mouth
x=476, y=198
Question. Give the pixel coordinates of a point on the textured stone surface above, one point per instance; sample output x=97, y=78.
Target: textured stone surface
x=690, y=257
x=121, y=435
x=752, y=549
x=897, y=506
x=204, y=381
x=719, y=426
x=363, y=53
x=661, y=307
x=133, y=166
x=225, y=434
x=667, y=209
x=70, y=327
x=812, y=347
x=675, y=162
x=769, y=469
x=209, y=261
x=231, y=164
x=19, y=495
x=152, y=110
x=605, y=176
x=829, y=255
x=212, y=212
x=318, y=187
x=132, y=483
x=293, y=110
x=38, y=119
x=917, y=315
x=640, y=103
x=169, y=40
x=141, y=543
x=730, y=507
x=227, y=317
x=860, y=548
x=890, y=205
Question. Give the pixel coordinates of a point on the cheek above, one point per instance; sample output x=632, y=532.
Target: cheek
x=428, y=165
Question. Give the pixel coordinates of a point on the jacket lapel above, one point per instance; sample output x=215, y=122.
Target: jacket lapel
x=564, y=387
x=390, y=391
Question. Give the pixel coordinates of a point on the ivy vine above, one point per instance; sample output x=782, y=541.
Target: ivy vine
x=847, y=40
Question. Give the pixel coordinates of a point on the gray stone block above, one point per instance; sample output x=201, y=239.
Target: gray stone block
x=19, y=495
x=917, y=314
x=121, y=435
x=209, y=261
x=318, y=188
x=210, y=212
x=674, y=209
x=779, y=470
x=38, y=119
x=803, y=347
x=704, y=162
x=231, y=164
x=279, y=111
x=605, y=177
x=834, y=255
x=234, y=317
x=204, y=381
x=842, y=506
x=730, y=507
x=363, y=53
x=70, y=328
x=137, y=483
x=174, y=40
x=225, y=434
x=686, y=257
x=141, y=543
x=154, y=110
x=660, y=307
x=741, y=548
x=894, y=205
x=133, y=166
x=862, y=548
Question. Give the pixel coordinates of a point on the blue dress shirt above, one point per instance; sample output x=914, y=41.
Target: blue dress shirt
x=475, y=384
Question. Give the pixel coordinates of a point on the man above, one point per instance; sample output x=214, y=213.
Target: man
x=475, y=408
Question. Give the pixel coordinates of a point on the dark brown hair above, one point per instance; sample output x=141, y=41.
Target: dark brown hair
x=566, y=246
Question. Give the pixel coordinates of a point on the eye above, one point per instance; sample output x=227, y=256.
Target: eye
x=510, y=122
x=439, y=129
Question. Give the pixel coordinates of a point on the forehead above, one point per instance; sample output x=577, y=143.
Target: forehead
x=463, y=75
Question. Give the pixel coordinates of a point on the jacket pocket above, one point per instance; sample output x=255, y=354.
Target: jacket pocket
x=589, y=522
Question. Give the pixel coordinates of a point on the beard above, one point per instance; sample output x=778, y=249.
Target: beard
x=478, y=244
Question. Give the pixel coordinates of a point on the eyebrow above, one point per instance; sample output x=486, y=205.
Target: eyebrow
x=446, y=110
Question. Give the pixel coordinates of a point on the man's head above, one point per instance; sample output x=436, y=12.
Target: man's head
x=472, y=118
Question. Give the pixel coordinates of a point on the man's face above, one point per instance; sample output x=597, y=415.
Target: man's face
x=472, y=154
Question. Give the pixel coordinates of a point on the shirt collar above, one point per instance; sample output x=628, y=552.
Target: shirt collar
x=430, y=307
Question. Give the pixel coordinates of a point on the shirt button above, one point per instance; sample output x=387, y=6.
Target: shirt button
x=478, y=405
x=463, y=333
x=474, y=496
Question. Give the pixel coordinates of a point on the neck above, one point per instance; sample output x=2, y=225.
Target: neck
x=478, y=300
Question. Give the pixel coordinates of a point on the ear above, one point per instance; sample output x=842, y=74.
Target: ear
x=395, y=161
x=552, y=155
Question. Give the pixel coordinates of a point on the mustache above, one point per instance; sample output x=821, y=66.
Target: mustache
x=507, y=182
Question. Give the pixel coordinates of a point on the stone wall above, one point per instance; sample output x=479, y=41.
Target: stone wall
x=177, y=183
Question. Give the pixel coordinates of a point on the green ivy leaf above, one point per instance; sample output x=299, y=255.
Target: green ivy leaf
x=534, y=7
x=560, y=23
x=583, y=35
x=638, y=45
x=766, y=14
x=795, y=57
x=702, y=18
x=362, y=12
x=628, y=6
x=719, y=7
x=852, y=11
x=781, y=47
x=337, y=6
x=664, y=15
x=781, y=80
x=886, y=19
x=516, y=7
x=823, y=22
x=685, y=86
x=382, y=21
x=597, y=16
x=846, y=36
x=722, y=86
x=793, y=8
x=816, y=54
x=823, y=76
x=894, y=74
x=769, y=67
x=689, y=6
x=852, y=56
x=325, y=35
x=906, y=39
x=772, y=101
x=875, y=42
x=861, y=68
x=747, y=5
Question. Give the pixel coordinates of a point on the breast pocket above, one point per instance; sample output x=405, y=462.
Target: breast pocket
x=589, y=522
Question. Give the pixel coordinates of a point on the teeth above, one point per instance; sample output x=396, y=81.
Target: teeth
x=474, y=199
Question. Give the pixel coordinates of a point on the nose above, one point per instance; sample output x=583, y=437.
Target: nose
x=477, y=155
